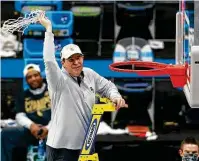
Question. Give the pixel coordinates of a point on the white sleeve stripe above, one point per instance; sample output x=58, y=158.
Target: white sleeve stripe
x=23, y=120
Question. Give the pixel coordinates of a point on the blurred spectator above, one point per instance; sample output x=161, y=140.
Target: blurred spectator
x=189, y=149
x=33, y=114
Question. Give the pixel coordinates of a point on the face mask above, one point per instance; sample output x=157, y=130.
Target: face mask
x=190, y=157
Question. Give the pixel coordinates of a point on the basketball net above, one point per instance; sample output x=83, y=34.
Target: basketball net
x=20, y=24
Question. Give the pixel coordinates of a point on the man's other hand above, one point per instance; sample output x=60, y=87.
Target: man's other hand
x=119, y=103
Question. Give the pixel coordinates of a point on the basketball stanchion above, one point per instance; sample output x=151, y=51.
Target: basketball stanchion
x=187, y=49
x=97, y=112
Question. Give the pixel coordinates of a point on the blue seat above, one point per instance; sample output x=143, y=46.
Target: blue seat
x=33, y=48
x=21, y=6
x=133, y=48
x=62, y=24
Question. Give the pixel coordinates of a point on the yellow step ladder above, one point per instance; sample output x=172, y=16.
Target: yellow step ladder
x=97, y=112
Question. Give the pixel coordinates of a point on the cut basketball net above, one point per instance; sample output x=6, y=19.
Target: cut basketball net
x=21, y=23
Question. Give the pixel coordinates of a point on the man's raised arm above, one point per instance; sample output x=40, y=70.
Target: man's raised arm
x=53, y=72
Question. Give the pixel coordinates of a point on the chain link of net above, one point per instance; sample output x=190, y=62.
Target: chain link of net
x=21, y=23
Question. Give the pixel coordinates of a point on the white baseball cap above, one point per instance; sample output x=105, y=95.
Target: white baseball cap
x=31, y=67
x=69, y=50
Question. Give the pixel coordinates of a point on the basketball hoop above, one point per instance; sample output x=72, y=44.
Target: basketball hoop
x=177, y=73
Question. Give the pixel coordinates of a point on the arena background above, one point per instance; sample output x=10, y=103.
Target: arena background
x=97, y=36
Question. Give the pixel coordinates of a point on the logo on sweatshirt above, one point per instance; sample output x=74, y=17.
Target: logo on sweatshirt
x=91, y=134
x=92, y=90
